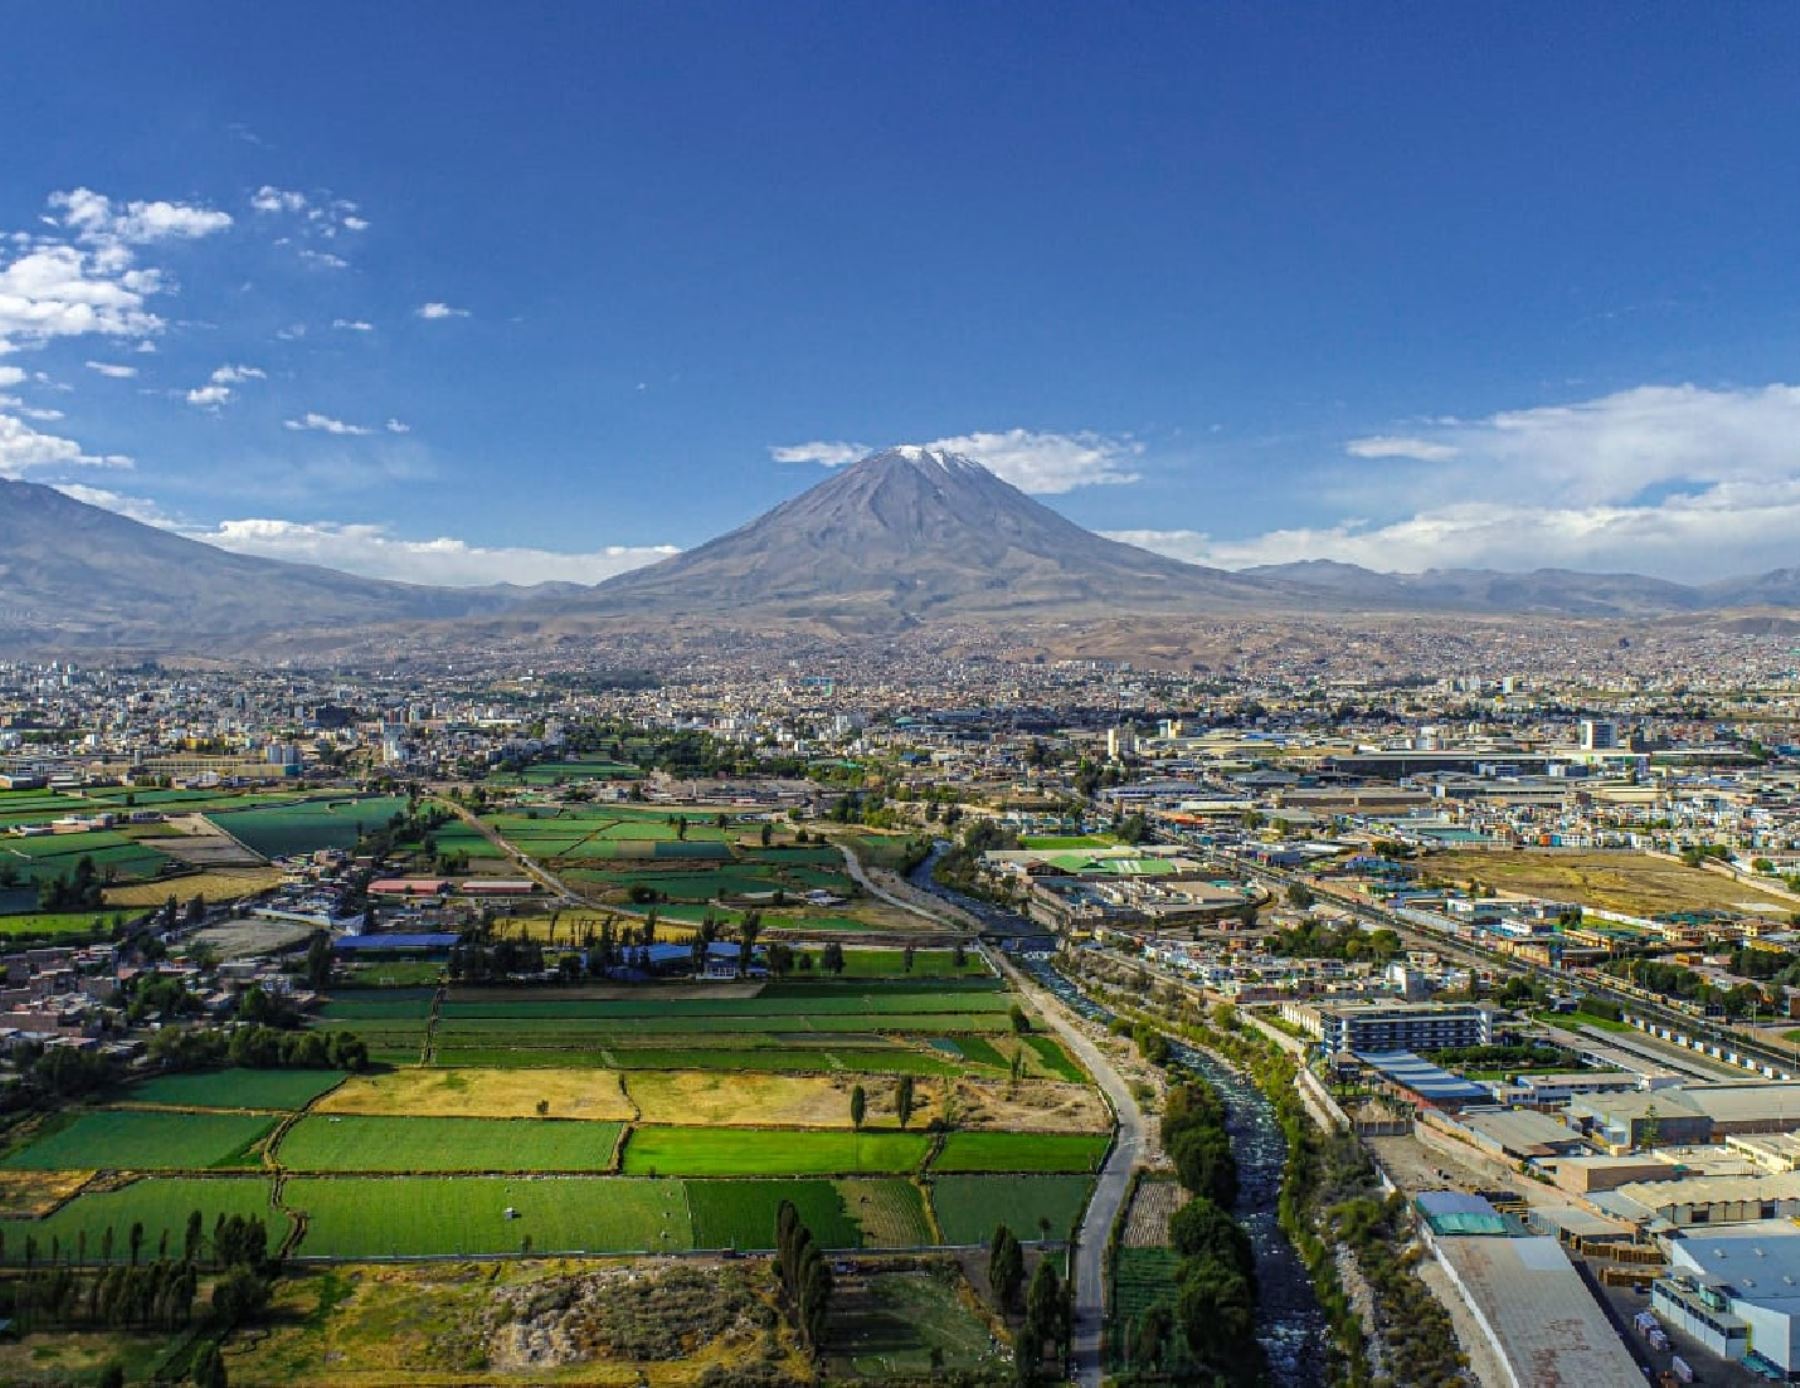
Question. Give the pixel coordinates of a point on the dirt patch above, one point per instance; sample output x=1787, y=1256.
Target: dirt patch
x=575, y=1093
x=1031, y=1106
x=250, y=938
x=657, y=1314
x=726, y=1099
x=28, y=1194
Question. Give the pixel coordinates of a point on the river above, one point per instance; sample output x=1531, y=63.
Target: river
x=1291, y=1326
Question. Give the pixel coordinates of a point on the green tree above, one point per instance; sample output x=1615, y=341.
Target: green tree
x=903, y=1099
x=858, y=1106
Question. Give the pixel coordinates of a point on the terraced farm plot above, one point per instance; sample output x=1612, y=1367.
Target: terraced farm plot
x=351, y=1217
x=278, y=831
x=679, y=1151
x=890, y=1213
x=741, y=1214
x=595, y=1095
x=358, y=1143
x=121, y=1140
x=968, y=1207
x=235, y=1089
x=965, y=1151
x=160, y=1203
x=52, y=856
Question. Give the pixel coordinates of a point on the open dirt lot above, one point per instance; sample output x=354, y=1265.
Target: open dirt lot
x=593, y=1094
x=1633, y=883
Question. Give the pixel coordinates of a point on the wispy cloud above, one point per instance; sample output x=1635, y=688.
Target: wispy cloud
x=113, y=369
x=1682, y=481
x=24, y=449
x=821, y=452
x=436, y=310
x=352, y=325
x=217, y=392
x=373, y=550
x=324, y=424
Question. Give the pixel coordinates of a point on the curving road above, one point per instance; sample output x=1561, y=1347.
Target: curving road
x=1114, y=1182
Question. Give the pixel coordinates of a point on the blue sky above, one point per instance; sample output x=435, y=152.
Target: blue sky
x=1405, y=285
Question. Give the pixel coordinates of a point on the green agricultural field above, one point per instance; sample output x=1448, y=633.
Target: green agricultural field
x=741, y=1214
x=395, y=1004
x=822, y=1059
x=890, y=1213
x=116, y=1140
x=575, y=1031
x=235, y=1089
x=968, y=1207
x=677, y=1151
x=1021, y=1152
x=1069, y=842
x=354, y=1143
x=821, y=1001
x=1143, y=1279
x=60, y=922
x=307, y=826
x=1055, y=1059
x=159, y=1203
x=979, y=1052
x=910, y=1326
x=350, y=1217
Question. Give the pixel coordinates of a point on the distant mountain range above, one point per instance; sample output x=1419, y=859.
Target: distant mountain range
x=905, y=538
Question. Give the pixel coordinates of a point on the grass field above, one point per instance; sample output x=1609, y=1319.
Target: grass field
x=1633, y=883
x=133, y=1141
x=675, y=1151
x=58, y=922
x=358, y=1143
x=968, y=1207
x=375, y=1217
x=589, y=1094
x=235, y=1089
x=1055, y=1060
x=829, y=1058
x=159, y=1203
x=973, y=1152
x=741, y=1214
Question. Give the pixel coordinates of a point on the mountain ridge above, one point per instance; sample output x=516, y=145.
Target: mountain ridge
x=902, y=539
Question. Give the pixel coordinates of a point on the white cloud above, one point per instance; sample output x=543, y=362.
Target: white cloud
x=825, y=454
x=353, y=325
x=1047, y=464
x=23, y=448
x=97, y=218
x=11, y=376
x=1390, y=446
x=271, y=199
x=395, y=426
x=437, y=310
x=324, y=259
x=356, y=223
x=374, y=551
x=217, y=391
x=229, y=375
x=1041, y=463
x=56, y=291
x=1680, y=481
x=209, y=397
x=113, y=369
x=324, y=424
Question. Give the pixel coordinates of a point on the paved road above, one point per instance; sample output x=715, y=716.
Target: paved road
x=542, y=876
x=1111, y=1188
x=853, y=865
